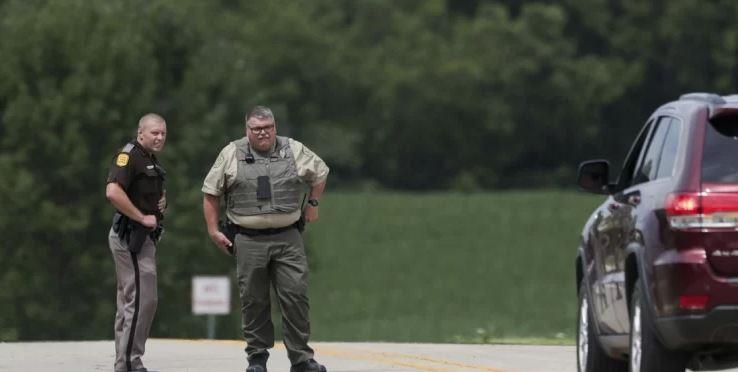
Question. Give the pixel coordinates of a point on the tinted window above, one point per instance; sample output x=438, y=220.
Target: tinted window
x=720, y=156
x=626, y=175
x=649, y=165
x=668, y=154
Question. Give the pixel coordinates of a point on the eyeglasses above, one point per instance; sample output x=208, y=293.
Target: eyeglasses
x=257, y=130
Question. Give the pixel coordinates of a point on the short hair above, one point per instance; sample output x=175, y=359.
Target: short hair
x=150, y=117
x=261, y=113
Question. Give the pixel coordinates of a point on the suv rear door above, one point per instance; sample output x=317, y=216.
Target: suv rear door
x=605, y=238
x=645, y=177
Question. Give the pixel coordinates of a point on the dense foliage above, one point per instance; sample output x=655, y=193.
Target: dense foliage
x=410, y=95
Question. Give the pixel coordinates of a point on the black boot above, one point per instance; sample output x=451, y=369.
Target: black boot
x=258, y=363
x=309, y=365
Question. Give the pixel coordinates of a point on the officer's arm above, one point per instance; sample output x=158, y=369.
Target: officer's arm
x=311, y=212
x=211, y=208
x=123, y=204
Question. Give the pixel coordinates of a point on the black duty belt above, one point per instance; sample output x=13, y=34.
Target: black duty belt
x=133, y=233
x=268, y=231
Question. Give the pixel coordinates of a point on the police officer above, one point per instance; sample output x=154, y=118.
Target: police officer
x=135, y=187
x=264, y=179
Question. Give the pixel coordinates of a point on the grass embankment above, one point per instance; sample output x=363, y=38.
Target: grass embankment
x=487, y=267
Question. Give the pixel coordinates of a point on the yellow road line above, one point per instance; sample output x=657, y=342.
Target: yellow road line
x=419, y=362
x=197, y=341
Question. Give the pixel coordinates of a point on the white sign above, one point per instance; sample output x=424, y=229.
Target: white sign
x=211, y=295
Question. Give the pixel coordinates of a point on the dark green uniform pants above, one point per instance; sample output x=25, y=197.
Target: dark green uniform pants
x=278, y=260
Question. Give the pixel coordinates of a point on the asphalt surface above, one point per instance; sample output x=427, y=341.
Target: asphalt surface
x=166, y=355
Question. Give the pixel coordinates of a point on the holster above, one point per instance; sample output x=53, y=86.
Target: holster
x=229, y=229
x=137, y=236
x=133, y=233
x=300, y=224
x=157, y=233
x=121, y=226
x=117, y=222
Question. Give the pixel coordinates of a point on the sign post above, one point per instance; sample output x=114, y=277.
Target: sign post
x=211, y=296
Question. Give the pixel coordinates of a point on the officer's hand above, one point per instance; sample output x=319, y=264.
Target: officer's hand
x=221, y=241
x=311, y=213
x=149, y=221
x=163, y=202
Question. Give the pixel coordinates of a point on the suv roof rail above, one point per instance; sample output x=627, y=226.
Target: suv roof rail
x=704, y=97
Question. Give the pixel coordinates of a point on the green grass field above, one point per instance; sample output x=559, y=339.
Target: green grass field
x=486, y=267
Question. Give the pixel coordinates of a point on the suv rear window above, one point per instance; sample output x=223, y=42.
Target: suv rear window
x=720, y=157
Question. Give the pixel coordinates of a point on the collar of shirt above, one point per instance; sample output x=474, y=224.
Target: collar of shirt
x=143, y=151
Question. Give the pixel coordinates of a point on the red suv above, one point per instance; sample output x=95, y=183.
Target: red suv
x=657, y=265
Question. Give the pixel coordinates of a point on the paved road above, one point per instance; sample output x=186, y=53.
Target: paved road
x=164, y=355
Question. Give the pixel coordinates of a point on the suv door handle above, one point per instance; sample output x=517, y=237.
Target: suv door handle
x=633, y=198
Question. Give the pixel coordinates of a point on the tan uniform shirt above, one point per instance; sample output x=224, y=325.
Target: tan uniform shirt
x=310, y=168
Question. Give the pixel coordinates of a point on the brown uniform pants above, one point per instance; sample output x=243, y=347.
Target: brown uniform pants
x=136, y=300
x=278, y=260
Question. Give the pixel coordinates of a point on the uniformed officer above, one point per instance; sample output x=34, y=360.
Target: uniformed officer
x=264, y=179
x=135, y=187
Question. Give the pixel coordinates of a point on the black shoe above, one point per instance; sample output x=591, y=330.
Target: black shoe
x=258, y=363
x=309, y=365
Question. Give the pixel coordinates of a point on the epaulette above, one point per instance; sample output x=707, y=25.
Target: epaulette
x=127, y=148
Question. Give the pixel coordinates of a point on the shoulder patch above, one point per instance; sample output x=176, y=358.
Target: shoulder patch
x=121, y=160
x=127, y=148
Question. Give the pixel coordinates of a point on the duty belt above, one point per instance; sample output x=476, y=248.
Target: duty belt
x=254, y=232
x=129, y=230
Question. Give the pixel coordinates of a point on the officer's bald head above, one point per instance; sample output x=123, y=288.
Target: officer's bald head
x=150, y=119
x=152, y=132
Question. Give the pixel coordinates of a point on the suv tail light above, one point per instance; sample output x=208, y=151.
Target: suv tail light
x=691, y=210
x=693, y=302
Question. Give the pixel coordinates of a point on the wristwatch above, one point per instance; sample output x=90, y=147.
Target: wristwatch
x=313, y=202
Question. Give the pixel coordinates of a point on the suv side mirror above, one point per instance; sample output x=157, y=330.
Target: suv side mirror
x=593, y=176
